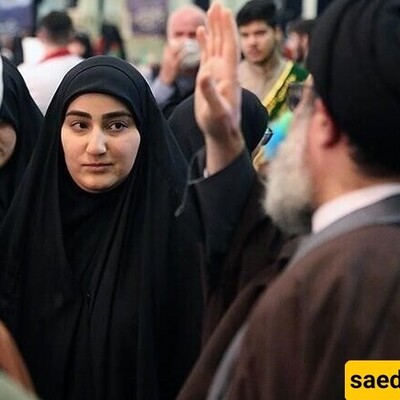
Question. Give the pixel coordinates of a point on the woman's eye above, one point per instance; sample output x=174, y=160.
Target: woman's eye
x=79, y=125
x=118, y=126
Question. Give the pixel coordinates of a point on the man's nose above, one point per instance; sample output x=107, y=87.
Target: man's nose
x=252, y=39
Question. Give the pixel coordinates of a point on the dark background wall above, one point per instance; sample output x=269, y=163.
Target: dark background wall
x=202, y=3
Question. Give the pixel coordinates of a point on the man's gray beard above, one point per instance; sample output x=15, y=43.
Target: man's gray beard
x=288, y=190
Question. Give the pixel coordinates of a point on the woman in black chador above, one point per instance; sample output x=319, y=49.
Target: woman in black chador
x=20, y=122
x=96, y=280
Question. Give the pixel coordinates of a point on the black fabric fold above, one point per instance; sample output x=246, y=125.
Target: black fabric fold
x=18, y=109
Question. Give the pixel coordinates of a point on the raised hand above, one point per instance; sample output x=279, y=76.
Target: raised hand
x=171, y=62
x=218, y=93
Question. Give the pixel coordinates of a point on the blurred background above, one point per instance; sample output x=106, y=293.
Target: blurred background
x=140, y=23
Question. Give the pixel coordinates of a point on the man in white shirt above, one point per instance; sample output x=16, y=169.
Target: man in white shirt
x=43, y=77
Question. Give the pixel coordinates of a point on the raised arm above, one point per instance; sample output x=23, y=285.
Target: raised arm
x=218, y=93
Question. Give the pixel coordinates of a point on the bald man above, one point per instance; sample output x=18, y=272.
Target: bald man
x=181, y=58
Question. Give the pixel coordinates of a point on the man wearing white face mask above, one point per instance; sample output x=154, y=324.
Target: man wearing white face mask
x=181, y=58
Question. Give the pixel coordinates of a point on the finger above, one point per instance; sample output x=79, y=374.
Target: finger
x=218, y=28
x=201, y=38
x=231, y=47
x=232, y=94
x=212, y=27
x=208, y=89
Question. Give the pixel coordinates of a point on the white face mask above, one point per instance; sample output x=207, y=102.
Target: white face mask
x=191, y=49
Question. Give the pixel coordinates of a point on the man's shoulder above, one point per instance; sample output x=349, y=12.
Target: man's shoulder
x=26, y=69
x=357, y=254
x=376, y=240
x=60, y=62
x=299, y=72
x=328, y=273
x=52, y=64
x=361, y=251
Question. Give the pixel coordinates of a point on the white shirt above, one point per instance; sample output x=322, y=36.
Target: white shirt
x=335, y=209
x=44, y=77
x=161, y=91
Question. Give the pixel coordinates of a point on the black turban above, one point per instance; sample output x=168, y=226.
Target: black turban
x=354, y=58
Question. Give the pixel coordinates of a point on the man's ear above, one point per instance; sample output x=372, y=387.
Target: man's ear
x=329, y=132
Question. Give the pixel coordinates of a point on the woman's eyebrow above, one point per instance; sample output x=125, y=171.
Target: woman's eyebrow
x=114, y=114
x=78, y=114
x=117, y=114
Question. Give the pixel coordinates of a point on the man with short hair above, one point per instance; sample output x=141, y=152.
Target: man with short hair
x=54, y=32
x=263, y=70
x=181, y=57
x=339, y=297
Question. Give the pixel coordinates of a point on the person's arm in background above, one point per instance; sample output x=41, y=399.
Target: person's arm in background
x=163, y=87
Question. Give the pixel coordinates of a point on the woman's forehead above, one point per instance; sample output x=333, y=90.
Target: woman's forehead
x=95, y=98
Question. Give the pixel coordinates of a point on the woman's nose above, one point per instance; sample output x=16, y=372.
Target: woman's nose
x=97, y=142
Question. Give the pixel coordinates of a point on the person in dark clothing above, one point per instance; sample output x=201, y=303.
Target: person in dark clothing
x=339, y=297
x=20, y=123
x=81, y=45
x=92, y=239
x=92, y=242
x=110, y=42
x=255, y=256
x=15, y=381
x=254, y=124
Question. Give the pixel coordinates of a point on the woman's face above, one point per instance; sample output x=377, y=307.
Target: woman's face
x=8, y=139
x=100, y=142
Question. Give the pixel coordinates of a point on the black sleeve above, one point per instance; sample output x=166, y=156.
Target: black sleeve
x=220, y=200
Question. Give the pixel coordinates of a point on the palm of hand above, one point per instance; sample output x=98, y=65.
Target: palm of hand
x=217, y=95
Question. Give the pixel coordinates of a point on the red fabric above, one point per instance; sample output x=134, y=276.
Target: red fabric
x=58, y=53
